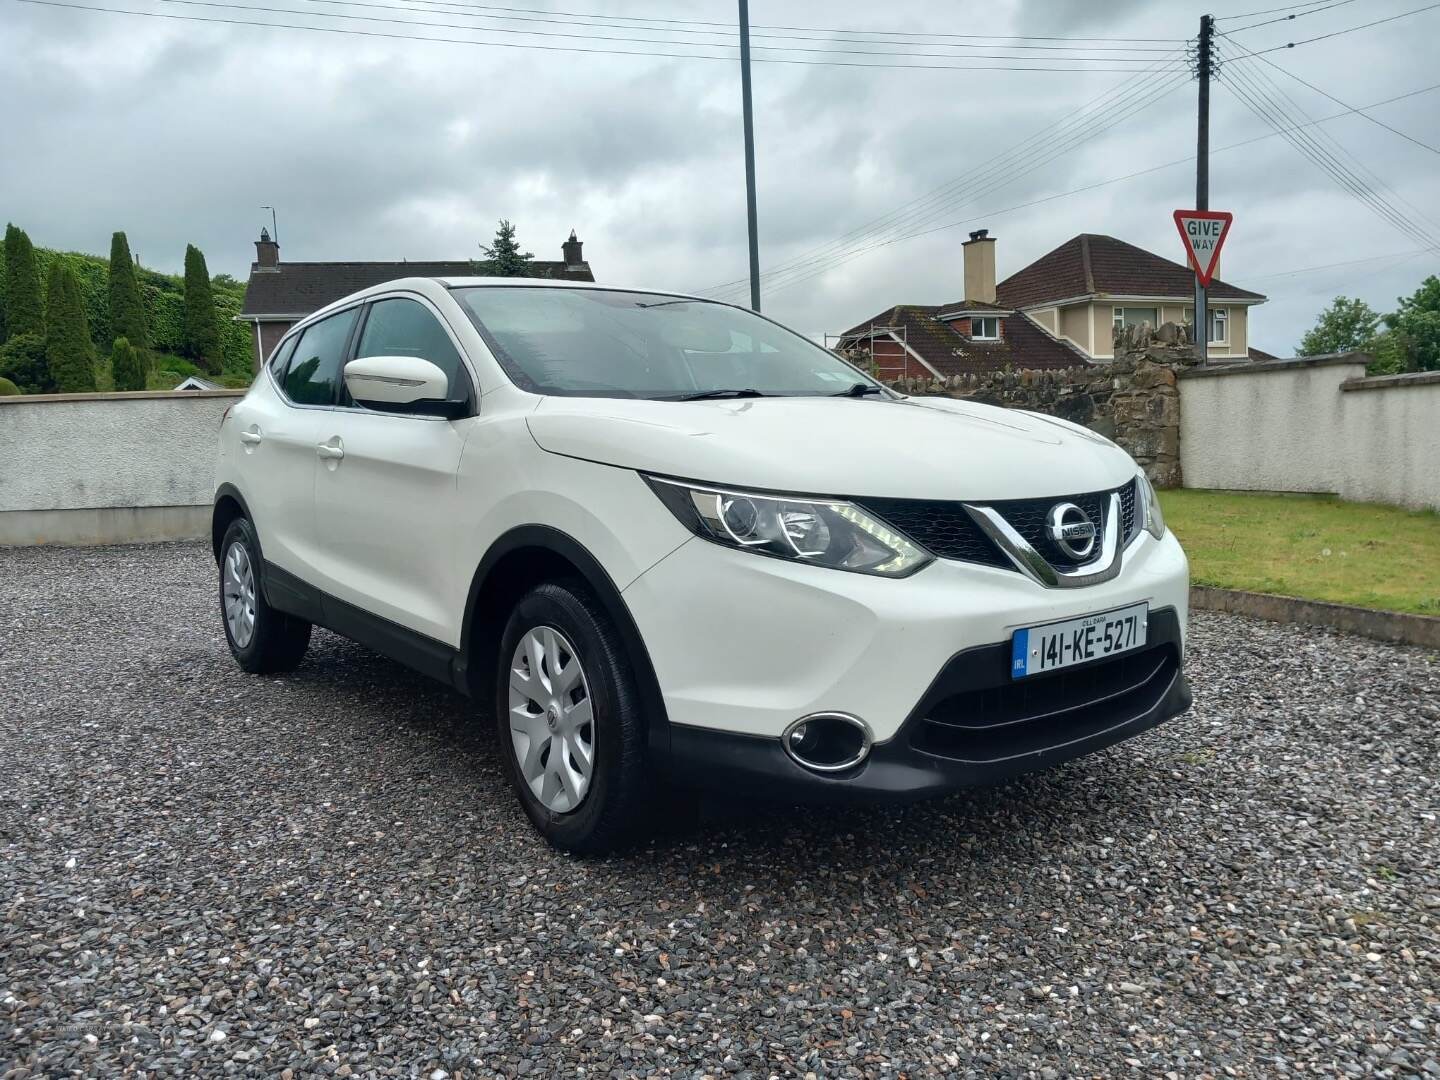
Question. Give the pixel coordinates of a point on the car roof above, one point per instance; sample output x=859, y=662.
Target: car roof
x=426, y=285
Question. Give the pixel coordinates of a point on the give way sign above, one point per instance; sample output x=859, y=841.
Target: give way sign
x=1203, y=232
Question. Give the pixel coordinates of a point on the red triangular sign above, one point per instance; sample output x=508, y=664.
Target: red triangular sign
x=1204, y=232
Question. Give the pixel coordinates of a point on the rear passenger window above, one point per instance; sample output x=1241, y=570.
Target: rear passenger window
x=400, y=327
x=315, y=367
x=281, y=356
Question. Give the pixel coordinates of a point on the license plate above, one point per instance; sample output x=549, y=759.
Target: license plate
x=1038, y=649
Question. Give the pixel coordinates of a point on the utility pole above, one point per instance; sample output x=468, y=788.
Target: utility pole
x=749, y=154
x=1204, y=69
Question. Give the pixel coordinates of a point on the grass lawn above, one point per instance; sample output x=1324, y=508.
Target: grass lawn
x=1312, y=546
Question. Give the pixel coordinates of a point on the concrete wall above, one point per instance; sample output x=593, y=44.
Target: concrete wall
x=1315, y=424
x=108, y=468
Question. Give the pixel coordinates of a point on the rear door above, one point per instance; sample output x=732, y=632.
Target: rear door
x=385, y=497
x=279, y=440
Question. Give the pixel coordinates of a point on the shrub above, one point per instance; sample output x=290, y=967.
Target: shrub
x=128, y=366
x=22, y=361
x=24, y=310
x=68, y=351
x=8, y=388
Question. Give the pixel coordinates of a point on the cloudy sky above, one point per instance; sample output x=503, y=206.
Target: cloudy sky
x=374, y=147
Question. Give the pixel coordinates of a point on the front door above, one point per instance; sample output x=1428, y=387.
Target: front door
x=385, y=492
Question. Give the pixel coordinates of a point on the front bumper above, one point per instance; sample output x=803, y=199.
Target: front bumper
x=973, y=727
x=743, y=645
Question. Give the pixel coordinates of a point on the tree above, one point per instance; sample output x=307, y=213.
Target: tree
x=1345, y=326
x=202, y=333
x=68, y=352
x=22, y=361
x=8, y=388
x=129, y=366
x=504, y=257
x=24, y=309
x=1416, y=324
x=127, y=304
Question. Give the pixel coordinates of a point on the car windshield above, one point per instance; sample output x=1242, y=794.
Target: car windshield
x=607, y=343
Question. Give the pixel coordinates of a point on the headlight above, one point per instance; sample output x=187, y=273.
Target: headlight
x=1150, y=506
x=801, y=528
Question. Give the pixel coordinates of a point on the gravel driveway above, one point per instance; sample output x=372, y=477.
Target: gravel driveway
x=203, y=871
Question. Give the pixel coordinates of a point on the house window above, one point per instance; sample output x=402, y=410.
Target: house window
x=986, y=328
x=1219, y=324
x=1136, y=316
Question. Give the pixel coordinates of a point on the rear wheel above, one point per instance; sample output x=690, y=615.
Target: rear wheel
x=569, y=719
x=262, y=639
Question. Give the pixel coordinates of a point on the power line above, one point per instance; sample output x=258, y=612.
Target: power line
x=229, y=5
x=547, y=48
x=991, y=214
x=730, y=27
x=1340, y=33
x=1254, y=97
x=477, y=11
x=805, y=269
x=1267, y=11
x=1023, y=158
x=1391, y=257
x=1297, y=15
x=1357, y=162
x=1052, y=138
x=1360, y=112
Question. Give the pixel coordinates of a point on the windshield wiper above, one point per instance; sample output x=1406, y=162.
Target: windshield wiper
x=860, y=389
x=706, y=395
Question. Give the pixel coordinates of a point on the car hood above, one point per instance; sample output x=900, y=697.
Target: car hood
x=920, y=448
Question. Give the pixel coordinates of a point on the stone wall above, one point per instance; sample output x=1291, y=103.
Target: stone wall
x=1133, y=399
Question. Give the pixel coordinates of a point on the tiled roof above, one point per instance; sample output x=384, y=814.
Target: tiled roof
x=1025, y=345
x=1094, y=265
x=972, y=305
x=298, y=288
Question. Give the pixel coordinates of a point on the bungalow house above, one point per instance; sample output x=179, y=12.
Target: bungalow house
x=280, y=294
x=1060, y=311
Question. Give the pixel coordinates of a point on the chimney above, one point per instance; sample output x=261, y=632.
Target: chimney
x=571, y=248
x=980, y=267
x=267, y=252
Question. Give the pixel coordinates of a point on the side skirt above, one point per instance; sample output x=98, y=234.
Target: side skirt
x=417, y=651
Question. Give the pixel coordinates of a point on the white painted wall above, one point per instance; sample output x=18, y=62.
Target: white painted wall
x=1313, y=425
x=99, y=452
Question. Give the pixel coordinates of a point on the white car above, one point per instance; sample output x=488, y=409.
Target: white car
x=676, y=544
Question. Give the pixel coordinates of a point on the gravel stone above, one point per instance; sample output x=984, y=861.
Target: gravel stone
x=204, y=872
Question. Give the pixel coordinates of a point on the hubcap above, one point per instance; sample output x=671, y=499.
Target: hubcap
x=239, y=591
x=552, y=726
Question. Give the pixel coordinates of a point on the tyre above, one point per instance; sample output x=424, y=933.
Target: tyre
x=569, y=720
x=262, y=640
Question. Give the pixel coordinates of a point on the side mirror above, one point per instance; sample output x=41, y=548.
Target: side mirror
x=405, y=384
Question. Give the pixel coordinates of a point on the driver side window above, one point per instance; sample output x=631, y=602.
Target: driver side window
x=402, y=327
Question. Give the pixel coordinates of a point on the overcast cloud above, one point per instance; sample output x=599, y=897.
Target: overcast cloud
x=371, y=148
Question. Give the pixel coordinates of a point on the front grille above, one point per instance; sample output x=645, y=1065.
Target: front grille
x=1028, y=716
x=948, y=532
x=942, y=528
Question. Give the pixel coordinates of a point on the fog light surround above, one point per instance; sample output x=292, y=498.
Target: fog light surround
x=827, y=742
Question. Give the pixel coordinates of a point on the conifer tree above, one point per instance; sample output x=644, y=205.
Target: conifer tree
x=128, y=366
x=68, y=352
x=127, y=303
x=202, y=333
x=24, y=310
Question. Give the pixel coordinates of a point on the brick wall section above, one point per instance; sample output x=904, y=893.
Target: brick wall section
x=1133, y=399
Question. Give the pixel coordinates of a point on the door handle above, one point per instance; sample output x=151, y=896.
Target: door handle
x=251, y=438
x=329, y=451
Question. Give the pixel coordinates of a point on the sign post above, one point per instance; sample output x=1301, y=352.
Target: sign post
x=1204, y=233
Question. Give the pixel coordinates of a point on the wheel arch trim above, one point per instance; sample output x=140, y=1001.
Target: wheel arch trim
x=553, y=541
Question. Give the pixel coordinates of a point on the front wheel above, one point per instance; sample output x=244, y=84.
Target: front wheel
x=569, y=720
x=262, y=640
